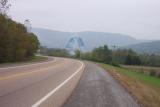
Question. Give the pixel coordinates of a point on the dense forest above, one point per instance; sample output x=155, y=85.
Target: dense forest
x=16, y=44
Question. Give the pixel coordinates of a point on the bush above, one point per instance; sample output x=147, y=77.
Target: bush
x=152, y=72
x=158, y=74
x=115, y=64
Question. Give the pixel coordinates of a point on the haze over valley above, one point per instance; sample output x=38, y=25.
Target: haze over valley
x=58, y=39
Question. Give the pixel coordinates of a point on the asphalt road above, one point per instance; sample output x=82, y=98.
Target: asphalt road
x=45, y=84
x=53, y=84
x=98, y=89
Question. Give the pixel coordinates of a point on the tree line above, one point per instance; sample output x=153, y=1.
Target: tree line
x=105, y=55
x=54, y=52
x=16, y=44
x=120, y=56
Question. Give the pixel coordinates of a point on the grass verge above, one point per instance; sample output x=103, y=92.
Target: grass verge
x=153, y=71
x=145, y=88
x=37, y=59
x=33, y=59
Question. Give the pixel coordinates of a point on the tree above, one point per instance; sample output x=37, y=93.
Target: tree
x=16, y=44
x=54, y=52
x=128, y=60
x=77, y=53
x=102, y=54
x=87, y=56
x=133, y=59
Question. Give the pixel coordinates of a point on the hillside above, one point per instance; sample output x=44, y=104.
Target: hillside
x=57, y=39
x=146, y=47
x=16, y=43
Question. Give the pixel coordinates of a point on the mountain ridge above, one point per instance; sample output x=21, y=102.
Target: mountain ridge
x=152, y=47
x=59, y=39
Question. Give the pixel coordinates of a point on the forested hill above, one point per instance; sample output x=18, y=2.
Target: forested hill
x=58, y=39
x=16, y=44
x=146, y=47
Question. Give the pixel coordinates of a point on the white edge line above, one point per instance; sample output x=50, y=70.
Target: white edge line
x=28, y=64
x=57, y=88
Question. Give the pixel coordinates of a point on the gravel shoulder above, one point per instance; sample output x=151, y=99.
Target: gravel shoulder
x=98, y=89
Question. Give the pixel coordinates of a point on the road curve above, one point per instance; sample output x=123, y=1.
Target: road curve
x=45, y=84
x=98, y=89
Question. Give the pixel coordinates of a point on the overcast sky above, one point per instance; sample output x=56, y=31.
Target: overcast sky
x=137, y=18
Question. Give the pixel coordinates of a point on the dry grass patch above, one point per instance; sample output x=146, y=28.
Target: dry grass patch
x=145, y=89
x=152, y=71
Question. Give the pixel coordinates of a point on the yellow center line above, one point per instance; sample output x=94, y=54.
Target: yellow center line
x=27, y=73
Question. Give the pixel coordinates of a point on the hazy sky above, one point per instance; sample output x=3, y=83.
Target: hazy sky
x=138, y=18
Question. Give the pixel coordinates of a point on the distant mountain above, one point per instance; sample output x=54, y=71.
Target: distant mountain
x=146, y=47
x=96, y=39
x=57, y=39
x=51, y=38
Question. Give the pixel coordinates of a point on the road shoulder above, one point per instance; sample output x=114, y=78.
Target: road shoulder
x=98, y=89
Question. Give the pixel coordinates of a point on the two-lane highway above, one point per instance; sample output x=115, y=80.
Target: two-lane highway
x=49, y=84
x=46, y=84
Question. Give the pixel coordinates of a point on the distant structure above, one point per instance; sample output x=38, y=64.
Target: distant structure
x=27, y=24
x=75, y=43
x=114, y=47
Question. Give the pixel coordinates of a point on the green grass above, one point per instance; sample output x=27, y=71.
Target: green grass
x=145, y=88
x=37, y=59
x=30, y=60
x=149, y=80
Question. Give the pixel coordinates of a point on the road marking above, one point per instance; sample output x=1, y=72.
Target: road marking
x=28, y=65
x=26, y=73
x=23, y=74
x=38, y=103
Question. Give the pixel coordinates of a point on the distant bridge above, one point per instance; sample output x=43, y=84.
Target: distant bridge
x=75, y=43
